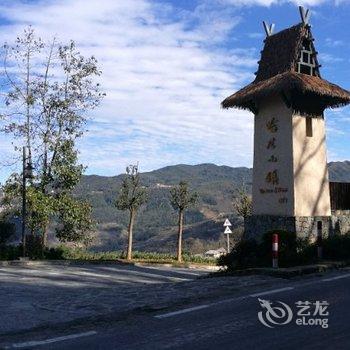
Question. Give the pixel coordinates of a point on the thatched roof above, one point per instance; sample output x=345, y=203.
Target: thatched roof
x=277, y=75
x=280, y=52
x=296, y=87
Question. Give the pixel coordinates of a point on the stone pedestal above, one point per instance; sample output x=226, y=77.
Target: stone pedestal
x=304, y=226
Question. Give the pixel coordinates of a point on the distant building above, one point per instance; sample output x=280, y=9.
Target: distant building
x=215, y=253
x=158, y=185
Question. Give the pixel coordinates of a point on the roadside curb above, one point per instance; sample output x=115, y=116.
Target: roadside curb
x=62, y=262
x=287, y=272
x=184, y=265
x=101, y=262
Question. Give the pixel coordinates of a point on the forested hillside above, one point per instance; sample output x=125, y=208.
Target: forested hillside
x=156, y=222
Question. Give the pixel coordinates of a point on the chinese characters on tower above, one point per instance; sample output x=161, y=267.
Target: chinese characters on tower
x=272, y=177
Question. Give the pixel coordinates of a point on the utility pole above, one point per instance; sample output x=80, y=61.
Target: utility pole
x=27, y=174
x=228, y=242
x=24, y=202
x=228, y=231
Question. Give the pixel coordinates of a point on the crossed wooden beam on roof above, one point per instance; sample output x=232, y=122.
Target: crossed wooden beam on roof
x=305, y=15
x=268, y=28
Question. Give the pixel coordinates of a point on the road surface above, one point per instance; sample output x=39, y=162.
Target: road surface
x=224, y=323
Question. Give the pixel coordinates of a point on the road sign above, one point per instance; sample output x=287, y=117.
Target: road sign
x=227, y=223
x=227, y=230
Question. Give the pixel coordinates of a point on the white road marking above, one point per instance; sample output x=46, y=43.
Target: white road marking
x=183, y=311
x=205, y=306
x=335, y=278
x=230, y=300
x=49, y=341
x=272, y=291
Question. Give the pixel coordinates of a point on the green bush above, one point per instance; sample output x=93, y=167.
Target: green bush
x=57, y=253
x=10, y=252
x=34, y=247
x=7, y=230
x=199, y=259
x=64, y=252
x=337, y=247
x=250, y=253
x=245, y=254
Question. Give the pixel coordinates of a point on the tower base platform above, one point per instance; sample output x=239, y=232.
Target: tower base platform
x=304, y=226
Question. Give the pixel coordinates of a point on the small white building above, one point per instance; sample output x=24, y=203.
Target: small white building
x=215, y=253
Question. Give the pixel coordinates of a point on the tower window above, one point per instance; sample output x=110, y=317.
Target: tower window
x=308, y=126
x=306, y=63
x=305, y=69
x=305, y=57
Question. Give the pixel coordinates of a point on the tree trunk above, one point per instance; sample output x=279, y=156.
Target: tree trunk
x=45, y=234
x=179, y=238
x=131, y=225
x=28, y=104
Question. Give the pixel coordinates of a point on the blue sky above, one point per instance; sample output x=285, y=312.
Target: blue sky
x=166, y=67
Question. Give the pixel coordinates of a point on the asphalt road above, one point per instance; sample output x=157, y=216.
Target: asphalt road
x=228, y=323
x=46, y=295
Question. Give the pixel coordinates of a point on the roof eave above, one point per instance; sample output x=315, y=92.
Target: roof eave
x=290, y=83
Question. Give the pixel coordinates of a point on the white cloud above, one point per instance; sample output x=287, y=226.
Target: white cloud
x=164, y=77
x=251, y=2
x=339, y=2
x=334, y=43
x=329, y=58
x=268, y=3
x=310, y=2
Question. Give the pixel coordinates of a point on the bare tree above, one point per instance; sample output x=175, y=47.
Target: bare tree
x=242, y=202
x=181, y=199
x=132, y=195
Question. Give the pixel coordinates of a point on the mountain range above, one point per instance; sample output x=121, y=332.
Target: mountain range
x=155, y=227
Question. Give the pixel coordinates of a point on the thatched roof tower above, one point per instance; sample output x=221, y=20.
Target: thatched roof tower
x=289, y=67
x=288, y=98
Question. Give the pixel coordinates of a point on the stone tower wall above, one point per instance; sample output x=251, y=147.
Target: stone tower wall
x=290, y=175
x=273, y=160
x=311, y=186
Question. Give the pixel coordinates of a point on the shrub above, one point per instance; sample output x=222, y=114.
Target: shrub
x=337, y=247
x=65, y=252
x=208, y=199
x=7, y=230
x=245, y=254
x=250, y=253
x=10, y=252
x=34, y=247
x=57, y=253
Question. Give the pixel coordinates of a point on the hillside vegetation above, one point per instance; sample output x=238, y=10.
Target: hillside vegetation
x=155, y=228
